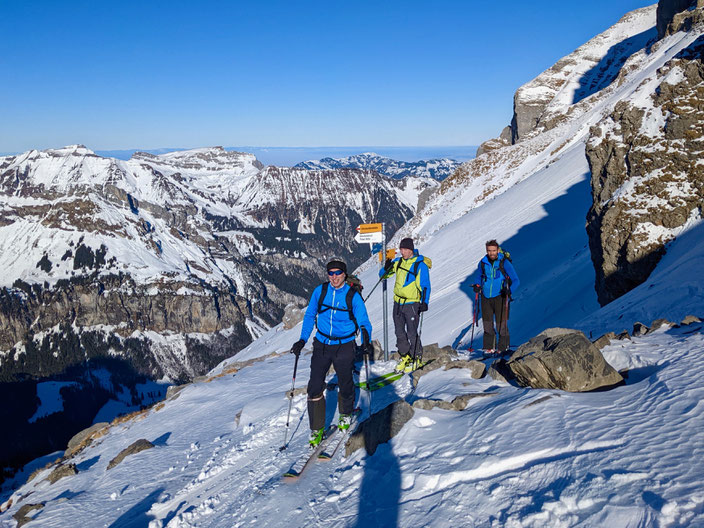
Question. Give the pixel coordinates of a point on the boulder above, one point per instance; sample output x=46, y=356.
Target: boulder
x=379, y=428
x=562, y=359
x=83, y=439
x=136, y=447
x=639, y=329
x=499, y=372
x=690, y=319
x=604, y=340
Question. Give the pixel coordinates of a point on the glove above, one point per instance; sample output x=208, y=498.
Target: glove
x=506, y=290
x=423, y=307
x=297, y=347
x=477, y=288
x=366, y=345
x=388, y=264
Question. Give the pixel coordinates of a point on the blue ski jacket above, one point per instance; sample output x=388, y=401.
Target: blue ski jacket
x=489, y=275
x=333, y=322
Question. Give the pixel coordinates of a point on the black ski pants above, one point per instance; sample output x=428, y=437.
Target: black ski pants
x=495, y=307
x=340, y=356
x=406, y=319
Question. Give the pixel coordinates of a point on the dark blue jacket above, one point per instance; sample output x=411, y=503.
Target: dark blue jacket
x=334, y=322
x=489, y=275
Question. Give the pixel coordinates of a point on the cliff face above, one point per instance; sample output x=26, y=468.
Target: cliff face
x=647, y=182
x=671, y=17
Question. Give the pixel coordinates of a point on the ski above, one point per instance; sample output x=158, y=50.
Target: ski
x=382, y=381
x=300, y=465
x=332, y=447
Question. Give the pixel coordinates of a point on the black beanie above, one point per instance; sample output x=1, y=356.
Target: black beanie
x=337, y=264
x=406, y=243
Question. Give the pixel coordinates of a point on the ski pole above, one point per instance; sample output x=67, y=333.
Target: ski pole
x=369, y=392
x=474, y=320
x=290, y=402
x=374, y=288
x=420, y=329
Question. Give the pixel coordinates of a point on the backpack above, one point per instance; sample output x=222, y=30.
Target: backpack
x=355, y=287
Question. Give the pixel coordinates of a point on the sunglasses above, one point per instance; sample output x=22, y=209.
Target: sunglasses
x=334, y=272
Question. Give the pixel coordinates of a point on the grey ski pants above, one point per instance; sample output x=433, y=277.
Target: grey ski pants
x=406, y=319
x=499, y=308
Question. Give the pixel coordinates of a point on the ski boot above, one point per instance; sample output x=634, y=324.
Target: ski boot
x=404, y=364
x=316, y=436
x=344, y=422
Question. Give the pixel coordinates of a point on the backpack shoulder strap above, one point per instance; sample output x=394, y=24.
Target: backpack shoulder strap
x=323, y=293
x=350, y=311
x=503, y=271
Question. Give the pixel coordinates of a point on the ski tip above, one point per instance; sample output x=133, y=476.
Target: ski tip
x=289, y=477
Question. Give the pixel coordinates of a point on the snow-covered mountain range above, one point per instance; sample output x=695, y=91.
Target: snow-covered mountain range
x=160, y=267
x=511, y=456
x=437, y=169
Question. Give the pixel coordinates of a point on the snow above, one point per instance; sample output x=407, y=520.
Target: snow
x=49, y=394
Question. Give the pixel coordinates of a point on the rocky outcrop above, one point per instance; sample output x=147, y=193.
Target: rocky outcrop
x=645, y=188
x=22, y=516
x=136, y=447
x=83, y=439
x=670, y=16
x=61, y=471
x=561, y=359
x=379, y=428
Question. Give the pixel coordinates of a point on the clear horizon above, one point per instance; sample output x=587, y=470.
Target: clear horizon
x=134, y=75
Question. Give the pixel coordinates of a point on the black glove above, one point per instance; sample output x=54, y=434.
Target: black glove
x=423, y=307
x=297, y=347
x=388, y=265
x=506, y=290
x=367, y=348
x=477, y=288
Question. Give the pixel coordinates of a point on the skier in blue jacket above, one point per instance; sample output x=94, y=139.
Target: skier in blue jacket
x=334, y=343
x=497, y=280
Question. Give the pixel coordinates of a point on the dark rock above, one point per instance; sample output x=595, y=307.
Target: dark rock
x=623, y=335
x=136, y=447
x=21, y=515
x=639, y=329
x=82, y=439
x=381, y=427
x=476, y=368
x=604, y=340
x=498, y=371
x=666, y=14
x=562, y=359
x=61, y=471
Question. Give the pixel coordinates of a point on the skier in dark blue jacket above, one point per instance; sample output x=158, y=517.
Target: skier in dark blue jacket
x=497, y=280
x=334, y=343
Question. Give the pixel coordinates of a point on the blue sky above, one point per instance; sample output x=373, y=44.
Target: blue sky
x=120, y=75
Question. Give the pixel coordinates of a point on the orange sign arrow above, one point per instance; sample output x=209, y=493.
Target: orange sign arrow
x=369, y=228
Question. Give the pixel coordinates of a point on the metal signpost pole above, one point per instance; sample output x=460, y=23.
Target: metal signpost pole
x=385, y=302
